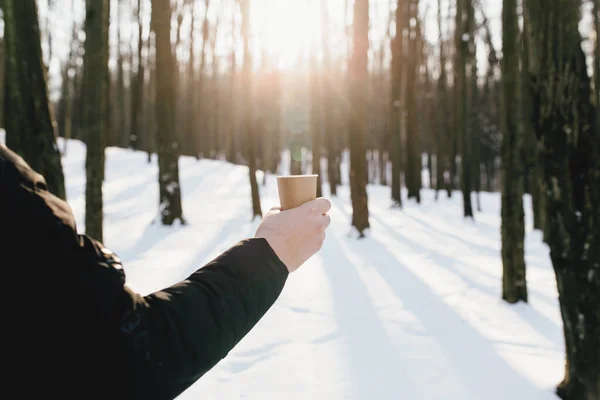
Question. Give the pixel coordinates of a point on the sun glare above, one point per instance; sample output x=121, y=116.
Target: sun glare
x=285, y=28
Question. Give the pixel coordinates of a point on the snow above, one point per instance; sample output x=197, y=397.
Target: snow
x=411, y=312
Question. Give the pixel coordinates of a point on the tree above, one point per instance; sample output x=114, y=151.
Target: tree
x=247, y=109
x=463, y=57
x=315, y=113
x=564, y=121
x=413, y=153
x=514, y=285
x=167, y=143
x=29, y=118
x=96, y=87
x=358, y=118
x=2, y=56
x=327, y=100
x=396, y=106
x=442, y=127
x=137, y=86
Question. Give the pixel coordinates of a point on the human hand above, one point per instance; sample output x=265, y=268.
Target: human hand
x=296, y=234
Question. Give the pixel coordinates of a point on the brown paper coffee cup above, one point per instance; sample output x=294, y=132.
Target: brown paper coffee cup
x=295, y=190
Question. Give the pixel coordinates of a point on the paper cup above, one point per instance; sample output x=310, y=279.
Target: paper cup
x=295, y=190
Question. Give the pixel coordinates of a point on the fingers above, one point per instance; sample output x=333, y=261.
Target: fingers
x=322, y=205
x=324, y=221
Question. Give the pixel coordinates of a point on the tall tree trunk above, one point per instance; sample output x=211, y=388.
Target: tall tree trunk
x=247, y=105
x=167, y=144
x=29, y=119
x=463, y=36
x=201, y=135
x=150, y=127
x=96, y=88
x=190, y=104
x=230, y=141
x=564, y=121
x=413, y=153
x=2, y=63
x=514, y=284
x=442, y=128
x=474, y=112
x=397, y=47
x=530, y=151
x=358, y=119
x=327, y=99
x=118, y=132
x=137, y=86
x=315, y=116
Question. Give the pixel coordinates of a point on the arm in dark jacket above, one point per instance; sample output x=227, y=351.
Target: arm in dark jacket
x=191, y=326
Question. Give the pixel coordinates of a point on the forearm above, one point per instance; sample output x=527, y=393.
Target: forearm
x=194, y=324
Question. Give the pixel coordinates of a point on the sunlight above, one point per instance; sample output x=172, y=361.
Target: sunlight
x=285, y=28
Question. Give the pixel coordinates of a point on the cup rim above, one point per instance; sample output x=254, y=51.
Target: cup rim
x=297, y=176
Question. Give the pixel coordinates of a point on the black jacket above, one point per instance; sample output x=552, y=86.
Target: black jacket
x=74, y=330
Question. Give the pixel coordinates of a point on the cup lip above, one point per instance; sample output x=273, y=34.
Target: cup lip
x=297, y=176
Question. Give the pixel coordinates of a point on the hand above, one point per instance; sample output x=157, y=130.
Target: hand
x=297, y=234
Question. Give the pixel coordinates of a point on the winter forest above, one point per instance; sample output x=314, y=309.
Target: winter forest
x=458, y=140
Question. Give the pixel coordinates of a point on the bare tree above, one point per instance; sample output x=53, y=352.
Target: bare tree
x=315, y=113
x=96, y=86
x=514, y=284
x=463, y=38
x=358, y=119
x=564, y=118
x=167, y=144
x=248, y=111
x=29, y=118
x=137, y=85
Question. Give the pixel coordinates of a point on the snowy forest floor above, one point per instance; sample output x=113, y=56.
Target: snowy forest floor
x=411, y=312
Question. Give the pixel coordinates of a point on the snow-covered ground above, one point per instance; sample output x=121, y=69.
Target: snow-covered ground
x=411, y=312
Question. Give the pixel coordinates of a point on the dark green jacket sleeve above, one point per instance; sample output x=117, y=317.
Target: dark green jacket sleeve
x=193, y=325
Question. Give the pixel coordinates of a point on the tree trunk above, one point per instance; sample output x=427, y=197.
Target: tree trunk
x=167, y=144
x=564, y=121
x=96, y=81
x=29, y=119
x=463, y=39
x=413, y=159
x=315, y=116
x=514, y=284
x=395, y=154
x=443, y=128
x=327, y=100
x=248, y=111
x=382, y=168
x=137, y=86
x=531, y=148
x=118, y=127
x=358, y=119
x=2, y=63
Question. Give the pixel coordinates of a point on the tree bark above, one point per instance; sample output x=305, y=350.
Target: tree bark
x=137, y=87
x=530, y=151
x=167, y=144
x=395, y=154
x=315, y=116
x=96, y=81
x=2, y=85
x=463, y=39
x=28, y=115
x=514, y=284
x=119, y=116
x=413, y=153
x=327, y=100
x=358, y=119
x=247, y=107
x=564, y=121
